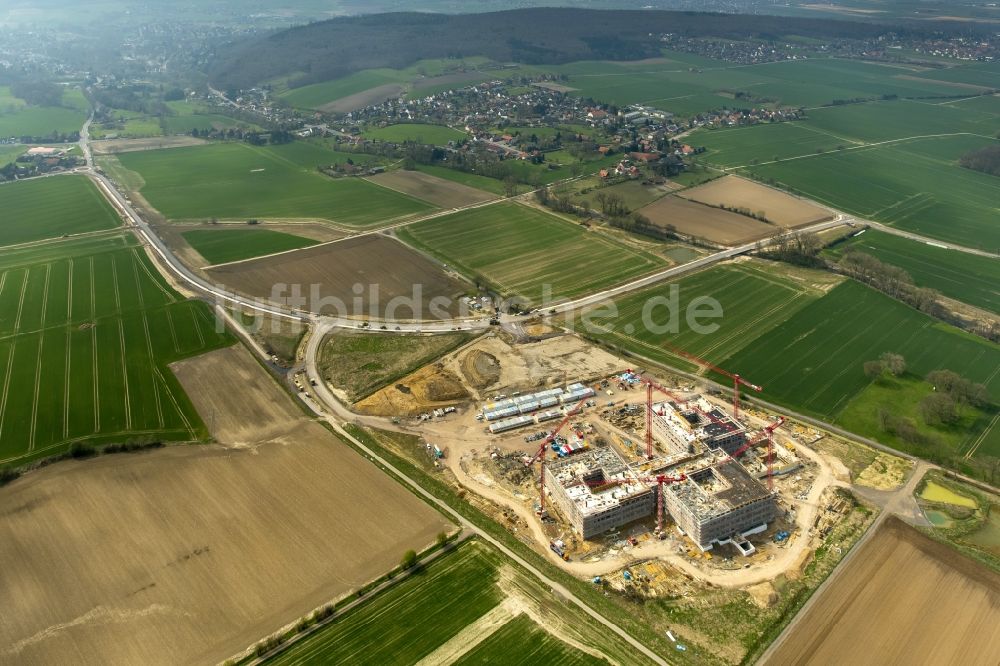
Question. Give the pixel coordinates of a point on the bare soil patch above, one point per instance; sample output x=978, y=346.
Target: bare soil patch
x=112, y=146
x=903, y=599
x=777, y=207
x=530, y=365
x=360, y=100
x=189, y=554
x=557, y=87
x=480, y=368
x=430, y=387
x=383, y=268
x=357, y=364
x=438, y=191
x=712, y=224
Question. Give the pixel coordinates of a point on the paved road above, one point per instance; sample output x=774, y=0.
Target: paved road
x=929, y=241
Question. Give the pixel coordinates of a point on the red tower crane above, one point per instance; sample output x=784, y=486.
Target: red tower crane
x=540, y=454
x=768, y=434
x=737, y=380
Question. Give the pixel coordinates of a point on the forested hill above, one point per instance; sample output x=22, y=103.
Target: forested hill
x=335, y=48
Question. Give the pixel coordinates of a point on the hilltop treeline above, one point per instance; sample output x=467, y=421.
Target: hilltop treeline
x=332, y=49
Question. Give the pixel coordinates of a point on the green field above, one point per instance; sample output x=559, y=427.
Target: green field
x=417, y=79
x=813, y=361
x=471, y=179
x=87, y=328
x=240, y=181
x=50, y=207
x=968, y=278
x=319, y=94
x=220, y=246
x=190, y=115
x=18, y=119
x=417, y=616
x=686, y=87
x=437, y=135
x=901, y=397
x=892, y=162
x=805, y=342
x=519, y=250
x=9, y=153
x=521, y=642
x=848, y=126
x=754, y=297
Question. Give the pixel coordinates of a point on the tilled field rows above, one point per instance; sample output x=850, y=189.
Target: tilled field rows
x=83, y=345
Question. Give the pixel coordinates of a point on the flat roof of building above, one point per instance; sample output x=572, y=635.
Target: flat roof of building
x=715, y=485
x=596, y=480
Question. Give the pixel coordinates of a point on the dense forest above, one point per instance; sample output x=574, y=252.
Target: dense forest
x=332, y=49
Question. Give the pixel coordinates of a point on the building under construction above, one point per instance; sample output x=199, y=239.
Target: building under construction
x=597, y=491
x=682, y=426
x=719, y=501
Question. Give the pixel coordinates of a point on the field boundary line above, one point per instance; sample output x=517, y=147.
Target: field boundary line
x=173, y=399
x=33, y=430
x=93, y=296
x=97, y=383
x=876, y=144
x=197, y=328
x=20, y=303
x=69, y=291
x=157, y=283
x=173, y=330
x=66, y=382
x=6, y=384
x=114, y=278
x=128, y=401
x=982, y=436
x=152, y=361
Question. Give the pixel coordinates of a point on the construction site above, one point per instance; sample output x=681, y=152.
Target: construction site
x=599, y=463
x=699, y=466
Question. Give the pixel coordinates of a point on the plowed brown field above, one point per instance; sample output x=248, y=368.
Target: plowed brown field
x=188, y=555
x=712, y=224
x=779, y=208
x=344, y=271
x=902, y=599
x=438, y=191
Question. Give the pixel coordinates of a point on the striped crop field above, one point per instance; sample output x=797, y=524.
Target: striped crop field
x=87, y=329
x=752, y=300
x=520, y=250
x=461, y=607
